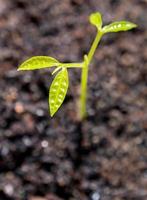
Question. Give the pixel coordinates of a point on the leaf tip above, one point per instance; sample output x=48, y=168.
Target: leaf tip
x=134, y=25
x=96, y=19
x=52, y=112
x=20, y=68
x=130, y=25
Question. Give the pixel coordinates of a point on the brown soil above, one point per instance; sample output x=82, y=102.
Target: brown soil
x=105, y=156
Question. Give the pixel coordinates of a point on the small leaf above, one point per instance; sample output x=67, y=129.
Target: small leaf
x=96, y=19
x=58, y=91
x=118, y=26
x=38, y=62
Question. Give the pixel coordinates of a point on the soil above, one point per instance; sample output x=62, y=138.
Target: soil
x=60, y=158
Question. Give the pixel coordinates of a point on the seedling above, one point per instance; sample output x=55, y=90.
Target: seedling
x=59, y=86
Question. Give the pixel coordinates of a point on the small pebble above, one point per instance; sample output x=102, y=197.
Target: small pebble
x=44, y=144
x=9, y=189
x=95, y=196
x=19, y=108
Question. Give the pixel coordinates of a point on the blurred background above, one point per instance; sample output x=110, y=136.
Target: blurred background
x=105, y=156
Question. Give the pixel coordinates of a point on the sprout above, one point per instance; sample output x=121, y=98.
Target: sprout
x=59, y=86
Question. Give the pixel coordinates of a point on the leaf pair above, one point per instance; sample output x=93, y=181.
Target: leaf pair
x=59, y=86
x=96, y=20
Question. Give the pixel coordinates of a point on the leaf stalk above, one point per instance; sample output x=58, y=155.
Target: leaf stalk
x=72, y=65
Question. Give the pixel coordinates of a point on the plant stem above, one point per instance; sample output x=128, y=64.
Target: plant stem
x=94, y=46
x=84, y=75
x=83, y=97
x=73, y=65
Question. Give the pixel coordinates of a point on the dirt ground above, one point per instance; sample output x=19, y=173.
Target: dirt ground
x=105, y=156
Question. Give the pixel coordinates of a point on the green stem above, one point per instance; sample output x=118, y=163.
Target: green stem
x=83, y=97
x=84, y=75
x=73, y=65
x=94, y=45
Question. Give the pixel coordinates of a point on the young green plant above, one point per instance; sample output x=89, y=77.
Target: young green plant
x=59, y=86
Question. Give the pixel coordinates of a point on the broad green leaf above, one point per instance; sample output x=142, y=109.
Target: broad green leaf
x=39, y=62
x=58, y=90
x=96, y=19
x=118, y=26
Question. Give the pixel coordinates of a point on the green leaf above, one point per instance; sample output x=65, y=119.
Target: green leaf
x=96, y=19
x=38, y=62
x=58, y=90
x=118, y=26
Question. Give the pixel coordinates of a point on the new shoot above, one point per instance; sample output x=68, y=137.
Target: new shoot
x=59, y=86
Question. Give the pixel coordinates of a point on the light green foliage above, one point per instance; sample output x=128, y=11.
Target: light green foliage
x=96, y=19
x=58, y=90
x=59, y=86
x=118, y=26
x=38, y=62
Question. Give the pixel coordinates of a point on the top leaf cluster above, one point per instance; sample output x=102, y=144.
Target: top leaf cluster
x=96, y=20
